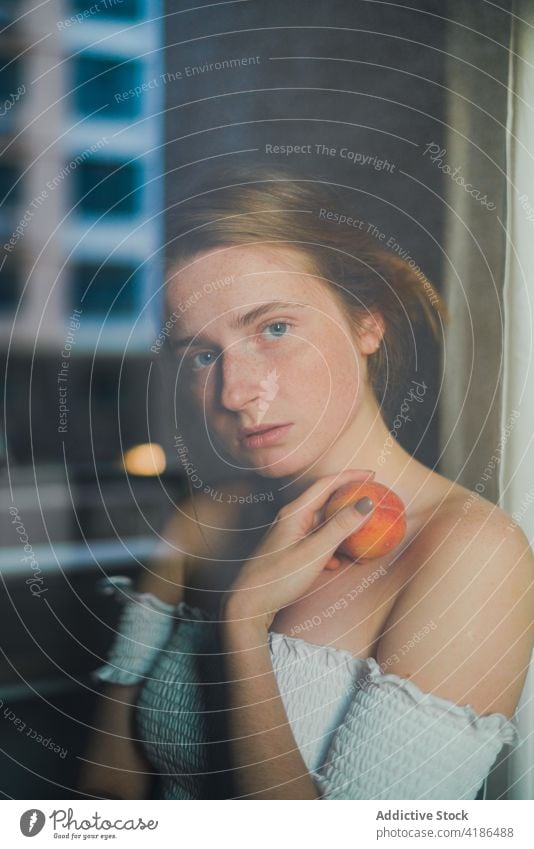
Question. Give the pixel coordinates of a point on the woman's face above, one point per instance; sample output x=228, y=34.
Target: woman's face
x=261, y=342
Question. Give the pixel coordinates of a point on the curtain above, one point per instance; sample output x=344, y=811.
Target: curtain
x=486, y=409
x=516, y=473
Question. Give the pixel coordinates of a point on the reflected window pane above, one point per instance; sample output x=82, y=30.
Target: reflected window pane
x=107, y=8
x=9, y=284
x=96, y=81
x=8, y=11
x=9, y=192
x=9, y=77
x=107, y=187
x=113, y=287
x=12, y=90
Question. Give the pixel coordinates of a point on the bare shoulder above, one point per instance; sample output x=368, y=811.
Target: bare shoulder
x=463, y=625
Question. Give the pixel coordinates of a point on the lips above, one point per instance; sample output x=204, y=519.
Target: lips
x=266, y=434
x=250, y=431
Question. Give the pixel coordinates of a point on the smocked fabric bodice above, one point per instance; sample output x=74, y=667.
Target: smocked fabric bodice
x=326, y=693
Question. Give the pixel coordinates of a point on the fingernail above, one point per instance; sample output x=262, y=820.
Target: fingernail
x=364, y=505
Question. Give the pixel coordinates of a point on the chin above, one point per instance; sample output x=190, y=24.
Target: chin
x=279, y=461
x=290, y=466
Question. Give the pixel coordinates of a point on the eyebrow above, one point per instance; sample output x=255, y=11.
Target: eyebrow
x=244, y=320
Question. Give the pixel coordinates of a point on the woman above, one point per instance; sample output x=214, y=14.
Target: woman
x=258, y=661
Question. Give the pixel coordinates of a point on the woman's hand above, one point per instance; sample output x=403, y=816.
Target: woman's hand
x=293, y=552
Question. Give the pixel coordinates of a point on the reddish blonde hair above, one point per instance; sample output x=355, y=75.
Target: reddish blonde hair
x=271, y=204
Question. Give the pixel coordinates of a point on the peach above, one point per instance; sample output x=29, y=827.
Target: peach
x=382, y=532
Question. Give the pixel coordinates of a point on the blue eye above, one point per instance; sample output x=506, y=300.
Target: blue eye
x=276, y=329
x=198, y=363
x=281, y=328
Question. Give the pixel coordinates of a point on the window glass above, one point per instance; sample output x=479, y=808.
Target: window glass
x=8, y=9
x=96, y=81
x=9, y=284
x=95, y=288
x=9, y=192
x=107, y=187
x=12, y=90
x=107, y=8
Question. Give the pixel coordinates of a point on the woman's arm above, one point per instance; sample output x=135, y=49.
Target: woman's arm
x=267, y=760
x=295, y=550
x=114, y=763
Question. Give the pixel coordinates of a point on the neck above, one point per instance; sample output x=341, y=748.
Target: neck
x=366, y=444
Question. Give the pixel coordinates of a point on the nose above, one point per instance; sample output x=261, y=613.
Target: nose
x=240, y=379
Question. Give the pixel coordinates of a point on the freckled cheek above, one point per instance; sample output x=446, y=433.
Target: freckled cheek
x=195, y=395
x=337, y=379
x=297, y=365
x=316, y=376
x=347, y=368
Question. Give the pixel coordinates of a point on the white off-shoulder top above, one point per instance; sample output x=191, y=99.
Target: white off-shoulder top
x=362, y=733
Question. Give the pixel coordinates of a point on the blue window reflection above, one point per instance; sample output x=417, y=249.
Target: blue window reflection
x=108, y=188
x=9, y=284
x=114, y=287
x=107, y=8
x=97, y=80
x=9, y=187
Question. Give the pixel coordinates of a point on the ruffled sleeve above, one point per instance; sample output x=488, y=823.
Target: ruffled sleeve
x=397, y=742
x=144, y=626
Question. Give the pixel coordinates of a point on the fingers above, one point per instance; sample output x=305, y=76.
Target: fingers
x=314, y=498
x=332, y=533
